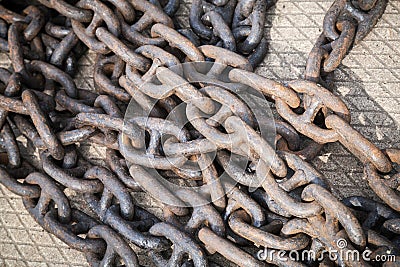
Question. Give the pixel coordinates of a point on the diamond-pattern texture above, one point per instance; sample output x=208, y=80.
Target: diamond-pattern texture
x=368, y=81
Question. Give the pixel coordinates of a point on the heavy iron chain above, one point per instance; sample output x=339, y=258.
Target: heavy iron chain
x=292, y=207
x=235, y=25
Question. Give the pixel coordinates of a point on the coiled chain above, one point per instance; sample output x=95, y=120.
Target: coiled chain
x=272, y=197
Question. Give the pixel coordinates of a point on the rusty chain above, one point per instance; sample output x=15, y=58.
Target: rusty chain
x=237, y=25
x=268, y=196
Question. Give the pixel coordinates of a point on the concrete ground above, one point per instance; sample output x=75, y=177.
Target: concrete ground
x=368, y=81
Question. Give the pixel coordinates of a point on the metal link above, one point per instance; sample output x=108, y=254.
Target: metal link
x=129, y=229
x=214, y=243
x=205, y=214
x=151, y=15
x=238, y=221
x=376, y=211
x=114, y=162
x=10, y=145
x=172, y=83
x=70, y=11
x=225, y=57
x=239, y=200
x=183, y=244
x=366, y=20
x=53, y=73
x=282, y=198
x=48, y=192
x=250, y=14
x=319, y=98
x=41, y=123
x=16, y=54
x=385, y=188
x=268, y=87
x=65, y=137
x=71, y=233
x=234, y=25
x=176, y=40
x=110, y=85
x=64, y=178
x=357, y=144
x=121, y=50
x=24, y=190
x=113, y=188
x=88, y=35
x=116, y=246
x=343, y=215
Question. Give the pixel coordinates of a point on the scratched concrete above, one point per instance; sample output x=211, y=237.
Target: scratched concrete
x=367, y=81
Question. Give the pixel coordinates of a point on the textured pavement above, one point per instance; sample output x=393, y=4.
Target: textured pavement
x=368, y=82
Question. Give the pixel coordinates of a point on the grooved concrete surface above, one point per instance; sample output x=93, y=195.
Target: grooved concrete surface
x=368, y=81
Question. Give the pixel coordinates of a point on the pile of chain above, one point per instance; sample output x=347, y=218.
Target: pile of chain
x=235, y=25
x=280, y=201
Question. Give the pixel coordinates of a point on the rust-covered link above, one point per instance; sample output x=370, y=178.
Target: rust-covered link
x=239, y=222
x=386, y=188
x=183, y=244
x=366, y=18
x=116, y=246
x=42, y=124
x=319, y=98
x=214, y=243
x=48, y=192
x=358, y=144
